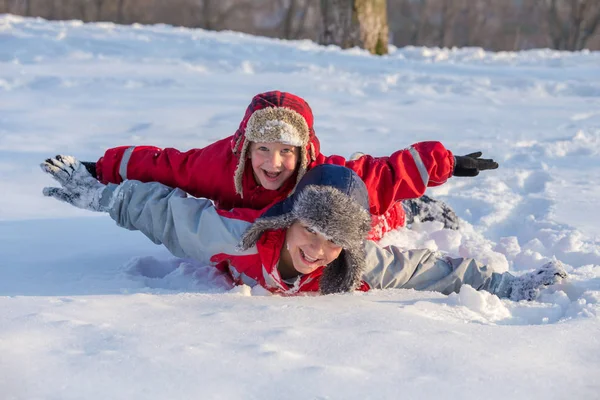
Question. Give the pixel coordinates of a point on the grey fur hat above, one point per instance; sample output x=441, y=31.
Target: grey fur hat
x=333, y=201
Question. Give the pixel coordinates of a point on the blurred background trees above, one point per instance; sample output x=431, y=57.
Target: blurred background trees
x=491, y=24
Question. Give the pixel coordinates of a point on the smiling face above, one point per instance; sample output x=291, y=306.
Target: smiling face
x=273, y=163
x=308, y=250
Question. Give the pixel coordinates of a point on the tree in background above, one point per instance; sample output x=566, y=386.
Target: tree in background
x=571, y=23
x=350, y=23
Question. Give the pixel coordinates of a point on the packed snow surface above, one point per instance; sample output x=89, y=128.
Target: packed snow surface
x=91, y=311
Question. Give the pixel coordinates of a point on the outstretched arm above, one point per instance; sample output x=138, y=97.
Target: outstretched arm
x=407, y=173
x=168, y=166
x=391, y=267
x=188, y=227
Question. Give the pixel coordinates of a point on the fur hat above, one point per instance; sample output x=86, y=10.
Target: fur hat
x=275, y=117
x=333, y=201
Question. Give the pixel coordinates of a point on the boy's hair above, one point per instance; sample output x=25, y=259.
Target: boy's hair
x=275, y=117
x=333, y=201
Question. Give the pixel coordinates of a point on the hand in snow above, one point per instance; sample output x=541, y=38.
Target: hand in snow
x=471, y=164
x=528, y=286
x=79, y=188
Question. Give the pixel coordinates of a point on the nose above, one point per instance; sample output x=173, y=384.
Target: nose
x=317, y=246
x=275, y=160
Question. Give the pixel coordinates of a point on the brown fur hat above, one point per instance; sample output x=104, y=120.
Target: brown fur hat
x=275, y=117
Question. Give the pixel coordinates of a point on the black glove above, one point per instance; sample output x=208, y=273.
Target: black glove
x=471, y=164
x=91, y=167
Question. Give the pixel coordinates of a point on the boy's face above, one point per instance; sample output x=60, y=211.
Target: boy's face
x=273, y=163
x=308, y=249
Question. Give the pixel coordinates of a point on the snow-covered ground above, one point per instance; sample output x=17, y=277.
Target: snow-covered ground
x=91, y=311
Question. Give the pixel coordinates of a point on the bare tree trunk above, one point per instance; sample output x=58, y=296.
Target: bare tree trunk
x=372, y=17
x=83, y=11
x=555, y=26
x=120, y=7
x=99, y=4
x=302, y=21
x=207, y=14
x=591, y=26
x=288, y=20
x=517, y=41
x=453, y=13
x=294, y=9
x=524, y=17
x=477, y=18
x=448, y=13
x=349, y=23
x=415, y=36
x=337, y=23
x=443, y=24
x=576, y=14
x=52, y=11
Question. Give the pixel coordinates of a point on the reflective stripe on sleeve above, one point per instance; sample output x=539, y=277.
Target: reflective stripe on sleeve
x=420, y=166
x=124, y=162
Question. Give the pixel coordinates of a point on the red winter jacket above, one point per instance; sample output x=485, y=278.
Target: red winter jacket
x=209, y=172
x=260, y=267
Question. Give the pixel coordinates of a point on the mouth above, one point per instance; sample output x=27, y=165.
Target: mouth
x=308, y=259
x=271, y=176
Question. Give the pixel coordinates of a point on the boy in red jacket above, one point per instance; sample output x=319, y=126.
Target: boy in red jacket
x=313, y=241
x=272, y=149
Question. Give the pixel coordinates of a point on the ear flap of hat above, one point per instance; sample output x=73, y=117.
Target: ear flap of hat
x=344, y=273
x=238, y=176
x=254, y=232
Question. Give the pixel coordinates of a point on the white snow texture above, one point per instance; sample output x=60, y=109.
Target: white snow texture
x=91, y=311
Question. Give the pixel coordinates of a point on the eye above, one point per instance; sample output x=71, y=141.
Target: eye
x=286, y=151
x=310, y=230
x=262, y=148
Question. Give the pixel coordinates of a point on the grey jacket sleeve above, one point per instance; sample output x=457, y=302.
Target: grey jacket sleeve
x=423, y=269
x=189, y=227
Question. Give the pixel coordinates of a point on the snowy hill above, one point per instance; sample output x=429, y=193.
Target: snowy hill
x=91, y=311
